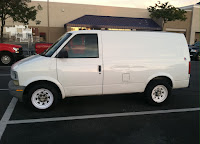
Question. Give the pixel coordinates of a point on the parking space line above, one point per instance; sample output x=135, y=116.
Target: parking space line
x=102, y=116
x=7, y=115
x=3, y=89
x=4, y=66
x=4, y=74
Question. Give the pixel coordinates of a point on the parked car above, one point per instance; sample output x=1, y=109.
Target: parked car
x=41, y=47
x=195, y=51
x=98, y=62
x=10, y=53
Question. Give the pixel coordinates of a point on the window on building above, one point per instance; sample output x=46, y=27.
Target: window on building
x=197, y=36
x=42, y=37
x=81, y=46
x=79, y=28
x=119, y=29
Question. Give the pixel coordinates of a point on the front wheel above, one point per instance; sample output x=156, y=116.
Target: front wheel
x=6, y=59
x=158, y=92
x=42, y=97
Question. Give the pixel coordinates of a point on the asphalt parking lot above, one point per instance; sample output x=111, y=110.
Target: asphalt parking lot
x=103, y=119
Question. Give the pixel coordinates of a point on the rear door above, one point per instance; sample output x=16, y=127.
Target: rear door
x=79, y=71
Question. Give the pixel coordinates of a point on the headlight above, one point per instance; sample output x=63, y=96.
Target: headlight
x=193, y=50
x=16, y=50
x=16, y=82
x=14, y=75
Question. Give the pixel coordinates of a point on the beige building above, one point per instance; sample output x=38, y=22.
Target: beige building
x=195, y=25
x=190, y=27
x=180, y=26
x=61, y=16
x=62, y=13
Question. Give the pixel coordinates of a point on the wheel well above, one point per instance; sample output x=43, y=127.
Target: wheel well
x=5, y=52
x=43, y=82
x=1, y=52
x=163, y=78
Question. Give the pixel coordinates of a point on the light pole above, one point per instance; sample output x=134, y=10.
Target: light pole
x=48, y=36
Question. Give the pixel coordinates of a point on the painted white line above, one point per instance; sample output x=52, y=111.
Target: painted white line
x=4, y=74
x=4, y=66
x=7, y=115
x=102, y=116
x=4, y=89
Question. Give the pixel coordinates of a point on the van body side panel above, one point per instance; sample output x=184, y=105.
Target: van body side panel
x=140, y=56
x=35, y=68
x=182, y=76
x=119, y=76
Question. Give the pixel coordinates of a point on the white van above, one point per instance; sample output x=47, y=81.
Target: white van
x=83, y=63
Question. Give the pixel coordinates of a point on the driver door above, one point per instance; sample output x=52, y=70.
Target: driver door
x=79, y=67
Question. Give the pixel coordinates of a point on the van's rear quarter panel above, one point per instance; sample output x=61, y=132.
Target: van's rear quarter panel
x=143, y=55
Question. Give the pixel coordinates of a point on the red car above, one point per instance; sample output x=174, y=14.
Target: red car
x=41, y=47
x=10, y=53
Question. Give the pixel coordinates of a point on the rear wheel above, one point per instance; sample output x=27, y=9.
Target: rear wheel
x=6, y=58
x=158, y=92
x=42, y=97
x=197, y=57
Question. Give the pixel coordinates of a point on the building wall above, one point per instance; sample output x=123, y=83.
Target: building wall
x=65, y=12
x=180, y=26
x=62, y=13
x=55, y=32
x=195, y=28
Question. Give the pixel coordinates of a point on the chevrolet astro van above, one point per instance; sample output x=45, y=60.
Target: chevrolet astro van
x=95, y=62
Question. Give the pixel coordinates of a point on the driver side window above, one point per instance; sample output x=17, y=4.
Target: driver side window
x=81, y=46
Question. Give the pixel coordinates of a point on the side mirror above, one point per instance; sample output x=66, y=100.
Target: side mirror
x=62, y=54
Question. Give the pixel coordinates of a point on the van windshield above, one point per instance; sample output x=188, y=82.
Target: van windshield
x=50, y=51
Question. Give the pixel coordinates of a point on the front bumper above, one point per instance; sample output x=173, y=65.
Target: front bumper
x=18, y=56
x=16, y=91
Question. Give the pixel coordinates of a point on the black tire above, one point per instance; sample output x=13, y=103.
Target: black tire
x=35, y=88
x=192, y=58
x=9, y=57
x=197, y=57
x=149, y=92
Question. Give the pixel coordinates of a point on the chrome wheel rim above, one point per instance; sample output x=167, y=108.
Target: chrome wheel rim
x=159, y=93
x=42, y=98
x=5, y=59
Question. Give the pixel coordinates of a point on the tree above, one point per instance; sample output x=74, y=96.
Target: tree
x=167, y=12
x=18, y=10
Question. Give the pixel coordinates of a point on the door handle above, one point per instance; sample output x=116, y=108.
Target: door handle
x=99, y=67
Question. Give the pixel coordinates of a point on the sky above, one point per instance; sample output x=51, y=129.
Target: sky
x=128, y=3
